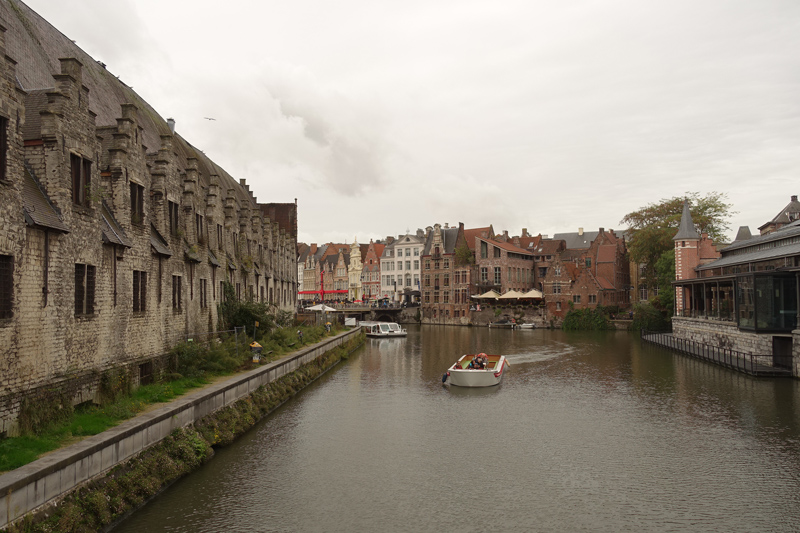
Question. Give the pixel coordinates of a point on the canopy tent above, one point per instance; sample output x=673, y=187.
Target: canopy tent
x=488, y=294
x=320, y=307
x=511, y=295
x=533, y=294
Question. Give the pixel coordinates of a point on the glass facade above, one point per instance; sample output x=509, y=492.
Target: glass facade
x=767, y=302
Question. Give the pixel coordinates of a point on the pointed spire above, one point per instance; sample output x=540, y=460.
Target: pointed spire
x=686, y=230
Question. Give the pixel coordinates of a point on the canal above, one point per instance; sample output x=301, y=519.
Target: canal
x=587, y=432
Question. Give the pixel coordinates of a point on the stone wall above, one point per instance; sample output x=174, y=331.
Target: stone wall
x=727, y=335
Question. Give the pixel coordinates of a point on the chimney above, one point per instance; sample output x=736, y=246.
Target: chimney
x=601, y=230
x=446, y=225
x=525, y=232
x=580, y=231
x=794, y=197
x=171, y=124
x=505, y=234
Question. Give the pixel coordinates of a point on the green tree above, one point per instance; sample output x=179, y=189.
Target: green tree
x=652, y=227
x=464, y=255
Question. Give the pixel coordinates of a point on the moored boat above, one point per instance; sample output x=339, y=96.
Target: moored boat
x=461, y=375
x=526, y=325
x=505, y=323
x=383, y=329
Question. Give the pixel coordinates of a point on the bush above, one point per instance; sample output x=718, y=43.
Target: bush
x=586, y=319
x=649, y=317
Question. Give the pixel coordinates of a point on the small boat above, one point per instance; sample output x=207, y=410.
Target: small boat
x=526, y=326
x=383, y=329
x=462, y=376
x=505, y=323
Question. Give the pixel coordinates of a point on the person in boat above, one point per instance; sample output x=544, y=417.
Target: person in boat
x=484, y=360
x=477, y=362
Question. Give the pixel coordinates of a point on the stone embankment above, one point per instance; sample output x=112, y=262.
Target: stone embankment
x=46, y=481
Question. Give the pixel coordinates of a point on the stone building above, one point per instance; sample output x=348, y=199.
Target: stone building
x=116, y=235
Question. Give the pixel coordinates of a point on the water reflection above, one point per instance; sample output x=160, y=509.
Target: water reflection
x=588, y=431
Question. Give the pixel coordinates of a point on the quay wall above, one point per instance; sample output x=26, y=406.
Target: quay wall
x=726, y=335
x=53, y=476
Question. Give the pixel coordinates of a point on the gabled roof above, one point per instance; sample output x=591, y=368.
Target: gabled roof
x=449, y=237
x=471, y=233
x=788, y=214
x=577, y=240
x=36, y=206
x=549, y=247
x=507, y=246
x=604, y=283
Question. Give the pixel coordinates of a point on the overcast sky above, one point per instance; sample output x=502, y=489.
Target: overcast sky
x=549, y=115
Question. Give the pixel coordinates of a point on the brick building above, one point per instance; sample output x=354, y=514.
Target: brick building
x=446, y=279
x=594, y=271
x=115, y=233
x=502, y=266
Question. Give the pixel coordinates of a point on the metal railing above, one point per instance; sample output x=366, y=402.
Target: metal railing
x=755, y=365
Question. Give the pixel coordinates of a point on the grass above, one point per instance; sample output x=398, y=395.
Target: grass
x=94, y=419
x=91, y=420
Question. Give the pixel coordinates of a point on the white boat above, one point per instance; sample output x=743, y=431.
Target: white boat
x=462, y=376
x=383, y=329
x=526, y=326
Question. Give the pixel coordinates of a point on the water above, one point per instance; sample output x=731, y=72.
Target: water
x=588, y=432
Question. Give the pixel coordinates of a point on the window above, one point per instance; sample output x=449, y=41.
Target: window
x=81, y=179
x=399, y=265
x=6, y=286
x=592, y=298
x=416, y=252
x=408, y=265
x=447, y=280
x=558, y=306
x=496, y=252
x=176, y=293
x=84, y=289
x=643, y=293
x=588, y=262
x=484, y=250
x=3, y=149
x=427, y=265
x=219, y=236
x=557, y=270
x=446, y=263
x=416, y=264
x=408, y=252
x=139, y=291
x=203, y=293
x=556, y=288
x=137, y=203
x=498, y=275
x=576, y=298
x=484, y=274
x=173, y=217
x=198, y=222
